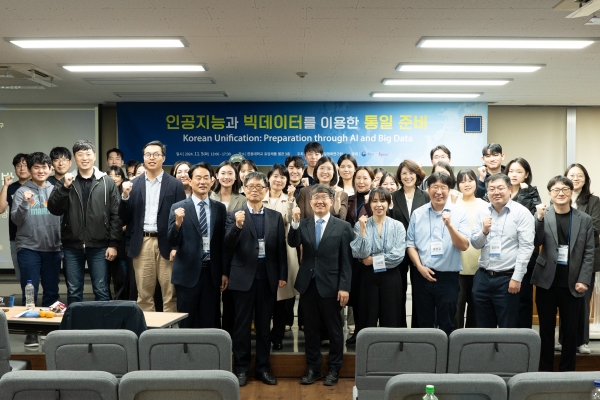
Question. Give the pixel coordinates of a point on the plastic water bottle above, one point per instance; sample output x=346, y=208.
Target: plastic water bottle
x=29, y=303
x=429, y=390
x=595, y=395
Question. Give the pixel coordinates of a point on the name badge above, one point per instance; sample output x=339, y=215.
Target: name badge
x=261, y=248
x=563, y=255
x=206, y=244
x=495, y=247
x=437, y=250
x=378, y=263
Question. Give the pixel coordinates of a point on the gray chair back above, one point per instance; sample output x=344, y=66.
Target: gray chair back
x=552, y=385
x=4, y=345
x=180, y=385
x=502, y=352
x=110, y=350
x=382, y=353
x=447, y=387
x=185, y=349
x=48, y=385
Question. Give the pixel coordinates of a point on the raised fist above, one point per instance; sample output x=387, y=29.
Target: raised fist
x=291, y=191
x=296, y=214
x=68, y=179
x=27, y=196
x=363, y=221
x=7, y=180
x=482, y=173
x=240, y=217
x=126, y=186
x=179, y=214
x=486, y=225
x=446, y=218
x=541, y=211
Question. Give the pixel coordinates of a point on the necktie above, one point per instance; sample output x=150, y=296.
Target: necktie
x=203, y=224
x=318, y=230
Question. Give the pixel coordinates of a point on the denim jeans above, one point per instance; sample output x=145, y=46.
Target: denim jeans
x=75, y=260
x=39, y=266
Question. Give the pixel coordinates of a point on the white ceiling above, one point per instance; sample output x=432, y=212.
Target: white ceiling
x=253, y=48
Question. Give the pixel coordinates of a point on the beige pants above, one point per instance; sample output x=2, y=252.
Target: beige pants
x=149, y=266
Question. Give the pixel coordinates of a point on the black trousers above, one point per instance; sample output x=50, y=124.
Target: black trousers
x=355, y=292
x=258, y=303
x=279, y=320
x=200, y=302
x=526, y=303
x=436, y=299
x=465, y=297
x=547, y=301
x=289, y=311
x=414, y=275
x=403, y=269
x=322, y=311
x=381, y=298
x=228, y=318
x=117, y=272
x=494, y=306
x=583, y=330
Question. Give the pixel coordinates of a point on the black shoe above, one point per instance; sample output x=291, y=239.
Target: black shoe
x=242, y=378
x=277, y=346
x=351, y=341
x=266, y=377
x=311, y=377
x=31, y=341
x=331, y=378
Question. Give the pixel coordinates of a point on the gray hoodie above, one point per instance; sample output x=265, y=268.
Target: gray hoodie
x=37, y=229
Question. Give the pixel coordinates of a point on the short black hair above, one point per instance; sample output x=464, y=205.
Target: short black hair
x=60, y=152
x=19, y=158
x=83, y=145
x=561, y=179
x=245, y=161
x=235, y=188
x=297, y=160
x=163, y=148
x=493, y=148
x=38, y=158
x=323, y=160
x=442, y=148
x=439, y=177
x=525, y=166
x=313, y=146
x=465, y=173
x=201, y=164
x=115, y=150
x=320, y=188
x=282, y=171
x=118, y=172
x=448, y=168
x=388, y=175
x=131, y=163
x=495, y=177
x=383, y=194
x=137, y=166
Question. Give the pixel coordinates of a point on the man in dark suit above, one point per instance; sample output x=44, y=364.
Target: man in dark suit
x=146, y=202
x=197, y=229
x=563, y=271
x=256, y=239
x=323, y=280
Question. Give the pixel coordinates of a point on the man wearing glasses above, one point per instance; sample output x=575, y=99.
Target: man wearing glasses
x=563, y=271
x=256, y=239
x=504, y=232
x=145, y=206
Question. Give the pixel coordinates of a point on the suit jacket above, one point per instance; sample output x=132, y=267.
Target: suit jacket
x=352, y=217
x=331, y=261
x=188, y=240
x=236, y=202
x=400, y=210
x=133, y=210
x=581, y=250
x=592, y=208
x=243, y=245
x=306, y=211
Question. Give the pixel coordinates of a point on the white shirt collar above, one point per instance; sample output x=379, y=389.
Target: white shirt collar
x=197, y=200
x=325, y=218
x=158, y=178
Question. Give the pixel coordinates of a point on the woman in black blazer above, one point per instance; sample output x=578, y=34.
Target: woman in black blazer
x=405, y=201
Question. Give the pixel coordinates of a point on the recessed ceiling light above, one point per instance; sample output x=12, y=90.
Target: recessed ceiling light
x=136, y=68
x=147, y=80
x=169, y=94
x=97, y=42
x=503, y=43
x=445, y=82
x=438, y=67
x=427, y=95
x=21, y=87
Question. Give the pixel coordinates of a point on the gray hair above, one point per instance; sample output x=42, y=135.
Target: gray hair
x=321, y=188
x=256, y=175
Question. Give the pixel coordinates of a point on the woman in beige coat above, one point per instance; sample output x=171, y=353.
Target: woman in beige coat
x=281, y=198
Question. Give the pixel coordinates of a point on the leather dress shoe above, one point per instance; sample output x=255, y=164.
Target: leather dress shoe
x=351, y=341
x=277, y=346
x=266, y=377
x=331, y=378
x=242, y=378
x=311, y=377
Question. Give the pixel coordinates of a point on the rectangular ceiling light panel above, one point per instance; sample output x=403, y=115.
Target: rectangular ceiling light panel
x=98, y=43
x=445, y=82
x=487, y=68
x=503, y=43
x=426, y=95
x=135, y=68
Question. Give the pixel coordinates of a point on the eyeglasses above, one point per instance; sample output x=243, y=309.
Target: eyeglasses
x=496, y=189
x=253, y=188
x=152, y=155
x=579, y=176
x=320, y=198
x=564, y=190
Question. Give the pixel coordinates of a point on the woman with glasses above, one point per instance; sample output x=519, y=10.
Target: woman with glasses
x=180, y=171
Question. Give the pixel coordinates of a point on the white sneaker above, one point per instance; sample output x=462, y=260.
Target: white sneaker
x=558, y=347
x=584, y=349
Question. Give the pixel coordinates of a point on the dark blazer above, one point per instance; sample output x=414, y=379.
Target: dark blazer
x=303, y=201
x=243, y=244
x=581, y=250
x=592, y=208
x=351, y=216
x=133, y=210
x=332, y=261
x=188, y=240
x=400, y=210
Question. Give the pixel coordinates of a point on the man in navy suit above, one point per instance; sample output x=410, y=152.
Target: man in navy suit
x=146, y=202
x=197, y=229
x=256, y=237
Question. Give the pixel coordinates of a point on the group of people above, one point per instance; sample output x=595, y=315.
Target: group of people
x=233, y=247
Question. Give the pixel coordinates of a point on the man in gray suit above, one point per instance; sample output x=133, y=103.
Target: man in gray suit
x=563, y=270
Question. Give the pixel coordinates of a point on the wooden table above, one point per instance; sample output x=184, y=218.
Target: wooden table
x=44, y=325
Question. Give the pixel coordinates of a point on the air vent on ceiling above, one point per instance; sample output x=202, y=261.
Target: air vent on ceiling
x=25, y=75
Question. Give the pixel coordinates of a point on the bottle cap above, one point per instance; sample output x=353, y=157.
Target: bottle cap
x=429, y=389
x=596, y=383
x=29, y=281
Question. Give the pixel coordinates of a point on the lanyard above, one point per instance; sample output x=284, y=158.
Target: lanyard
x=570, y=223
x=503, y=225
x=384, y=231
x=443, y=226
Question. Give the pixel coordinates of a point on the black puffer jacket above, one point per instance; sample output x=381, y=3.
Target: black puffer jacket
x=101, y=226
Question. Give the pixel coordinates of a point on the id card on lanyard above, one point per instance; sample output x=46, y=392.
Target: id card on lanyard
x=563, y=250
x=437, y=246
x=496, y=240
x=205, y=244
x=378, y=259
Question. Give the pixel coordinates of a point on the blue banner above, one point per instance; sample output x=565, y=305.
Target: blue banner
x=380, y=134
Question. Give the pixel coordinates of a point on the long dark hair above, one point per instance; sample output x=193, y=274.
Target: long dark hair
x=448, y=168
x=525, y=166
x=585, y=194
x=118, y=172
x=235, y=188
x=350, y=158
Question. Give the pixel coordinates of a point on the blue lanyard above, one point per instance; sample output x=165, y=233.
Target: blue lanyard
x=443, y=226
x=384, y=230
